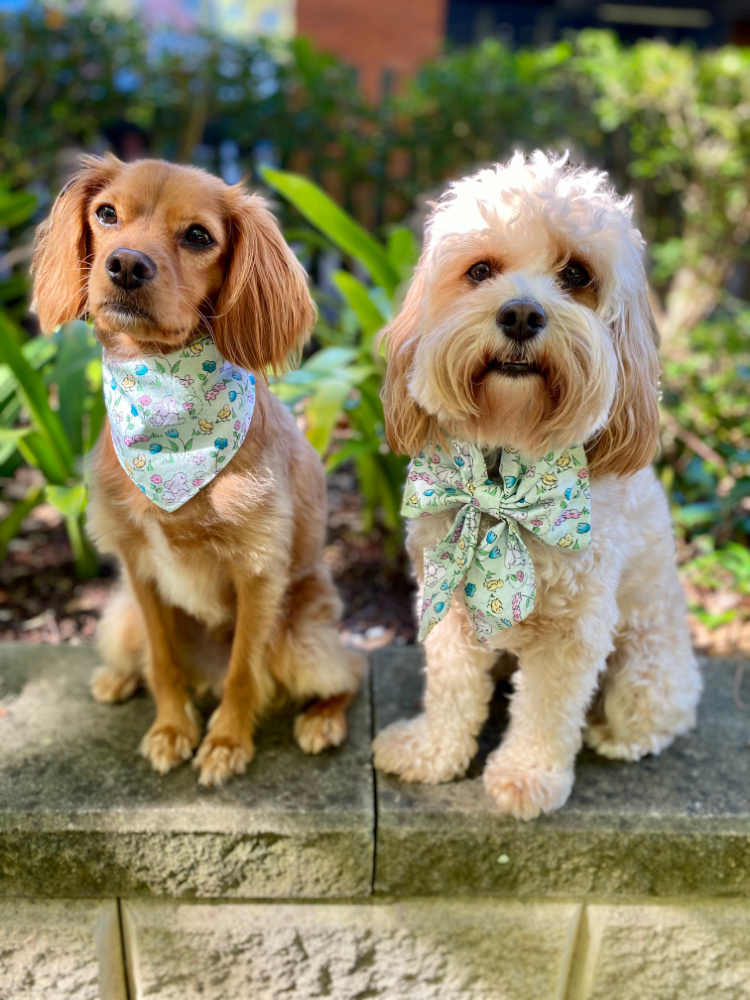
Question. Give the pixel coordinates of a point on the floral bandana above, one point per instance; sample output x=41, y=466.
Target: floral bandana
x=177, y=419
x=549, y=496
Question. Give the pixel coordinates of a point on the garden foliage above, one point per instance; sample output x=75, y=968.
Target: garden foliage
x=672, y=126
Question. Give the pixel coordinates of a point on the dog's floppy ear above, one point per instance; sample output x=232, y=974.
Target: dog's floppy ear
x=630, y=439
x=61, y=253
x=264, y=313
x=408, y=427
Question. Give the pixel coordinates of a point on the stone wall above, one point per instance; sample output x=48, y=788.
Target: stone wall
x=310, y=877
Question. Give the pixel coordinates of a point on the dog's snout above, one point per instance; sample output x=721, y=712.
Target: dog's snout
x=521, y=319
x=130, y=268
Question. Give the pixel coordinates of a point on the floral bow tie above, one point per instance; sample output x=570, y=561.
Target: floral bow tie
x=549, y=496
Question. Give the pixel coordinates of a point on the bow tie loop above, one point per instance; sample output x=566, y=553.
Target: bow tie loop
x=491, y=566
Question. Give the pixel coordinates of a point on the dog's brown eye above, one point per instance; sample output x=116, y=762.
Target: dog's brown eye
x=197, y=236
x=106, y=215
x=480, y=272
x=575, y=275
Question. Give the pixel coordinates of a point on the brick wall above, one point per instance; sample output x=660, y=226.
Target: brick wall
x=376, y=36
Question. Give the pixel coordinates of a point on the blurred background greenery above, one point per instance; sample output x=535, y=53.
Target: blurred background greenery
x=351, y=176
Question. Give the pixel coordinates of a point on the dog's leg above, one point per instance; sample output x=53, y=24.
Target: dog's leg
x=122, y=644
x=228, y=747
x=174, y=734
x=310, y=661
x=652, y=683
x=532, y=770
x=439, y=744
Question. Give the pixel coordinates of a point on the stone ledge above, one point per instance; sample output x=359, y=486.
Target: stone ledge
x=677, y=825
x=82, y=814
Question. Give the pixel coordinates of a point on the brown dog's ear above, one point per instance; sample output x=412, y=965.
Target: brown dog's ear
x=408, y=427
x=630, y=440
x=264, y=313
x=61, y=253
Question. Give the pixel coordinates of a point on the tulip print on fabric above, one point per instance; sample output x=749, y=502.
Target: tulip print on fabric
x=177, y=419
x=492, y=568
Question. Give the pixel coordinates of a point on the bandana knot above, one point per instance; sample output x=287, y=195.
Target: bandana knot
x=549, y=496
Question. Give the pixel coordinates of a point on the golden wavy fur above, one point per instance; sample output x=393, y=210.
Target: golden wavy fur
x=230, y=589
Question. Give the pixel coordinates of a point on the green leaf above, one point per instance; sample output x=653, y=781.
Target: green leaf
x=15, y=207
x=77, y=348
x=96, y=417
x=334, y=223
x=11, y=523
x=356, y=295
x=403, y=250
x=34, y=391
x=329, y=360
x=69, y=500
x=323, y=411
x=37, y=452
x=349, y=450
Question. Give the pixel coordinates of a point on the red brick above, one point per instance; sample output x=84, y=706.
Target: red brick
x=376, y=36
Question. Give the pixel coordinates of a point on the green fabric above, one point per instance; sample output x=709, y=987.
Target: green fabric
x=177, y=419
x=548, y=496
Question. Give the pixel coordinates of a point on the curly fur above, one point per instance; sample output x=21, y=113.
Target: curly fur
x=606, y=652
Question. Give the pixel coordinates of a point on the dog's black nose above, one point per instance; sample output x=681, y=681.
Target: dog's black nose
x=130, y=268
x=521, y=319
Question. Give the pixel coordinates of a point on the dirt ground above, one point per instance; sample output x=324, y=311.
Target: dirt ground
x=42, y=601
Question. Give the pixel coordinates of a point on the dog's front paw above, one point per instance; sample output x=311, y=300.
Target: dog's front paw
x=525, y=791
x=168, y=746
x=411, y=751
x=219, y=757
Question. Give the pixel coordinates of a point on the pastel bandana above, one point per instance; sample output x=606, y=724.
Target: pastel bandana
x=177, y=419
x=549, y=496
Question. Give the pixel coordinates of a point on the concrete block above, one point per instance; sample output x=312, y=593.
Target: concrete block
x=83, y=814
x=60, y=949
x=412, y=950
x=669, y=826
x=663, y=952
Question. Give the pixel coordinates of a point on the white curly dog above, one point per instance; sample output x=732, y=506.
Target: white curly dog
x=605, y=655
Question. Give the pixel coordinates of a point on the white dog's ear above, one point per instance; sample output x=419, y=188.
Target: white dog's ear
x=630, y=440
x=408, y=427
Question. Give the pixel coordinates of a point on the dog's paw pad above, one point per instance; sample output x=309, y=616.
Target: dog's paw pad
x=525, y=793
x=219, y=758
x=410, y=750
x=110, y=686
x=317, y=731
x=166, y=748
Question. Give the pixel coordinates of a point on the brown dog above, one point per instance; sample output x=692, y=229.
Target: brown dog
x=160, y=255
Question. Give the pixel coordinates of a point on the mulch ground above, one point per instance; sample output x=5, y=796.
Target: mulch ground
x=41, y=600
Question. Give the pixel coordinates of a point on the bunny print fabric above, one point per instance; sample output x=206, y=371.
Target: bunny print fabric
x=548, y=496
x=178, y=419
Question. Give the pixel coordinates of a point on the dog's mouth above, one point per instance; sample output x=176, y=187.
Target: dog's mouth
x=518, y=368
x=122, y=312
